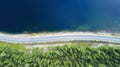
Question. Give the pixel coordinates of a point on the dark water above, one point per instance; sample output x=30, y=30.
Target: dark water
x=18, y=16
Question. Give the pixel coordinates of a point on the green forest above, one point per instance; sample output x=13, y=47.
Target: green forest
x=16, y=55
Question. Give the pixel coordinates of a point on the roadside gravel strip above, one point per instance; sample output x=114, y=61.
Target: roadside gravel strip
x=43, y=39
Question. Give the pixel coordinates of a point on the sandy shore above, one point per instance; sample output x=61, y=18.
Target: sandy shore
x=58, y=34
x=55, y=34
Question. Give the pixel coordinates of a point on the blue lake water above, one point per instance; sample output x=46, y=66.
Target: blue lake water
x=18, y=16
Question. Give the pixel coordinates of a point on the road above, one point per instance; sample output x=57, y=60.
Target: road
x=60, y=38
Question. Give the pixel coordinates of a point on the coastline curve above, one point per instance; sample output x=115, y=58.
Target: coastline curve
x=53, y=38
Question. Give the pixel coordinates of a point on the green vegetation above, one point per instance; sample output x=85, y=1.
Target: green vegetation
x=61, y=56
x=11, y=45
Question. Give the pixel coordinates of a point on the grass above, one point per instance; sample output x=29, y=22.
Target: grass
x=11, y=45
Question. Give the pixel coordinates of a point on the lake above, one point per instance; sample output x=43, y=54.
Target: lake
x=19, y=16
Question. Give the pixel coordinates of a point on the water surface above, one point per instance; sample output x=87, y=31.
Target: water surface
x=18, y=16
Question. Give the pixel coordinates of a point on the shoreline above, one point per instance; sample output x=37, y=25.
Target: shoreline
x=47, y=34
x=59, y=36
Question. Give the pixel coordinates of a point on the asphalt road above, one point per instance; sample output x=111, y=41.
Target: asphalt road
x=60, y=38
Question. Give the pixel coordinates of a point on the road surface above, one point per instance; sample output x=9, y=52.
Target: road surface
x=60, y=38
